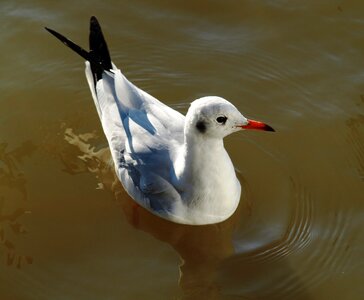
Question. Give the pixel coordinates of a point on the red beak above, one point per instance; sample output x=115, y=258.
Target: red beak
x=257, y=125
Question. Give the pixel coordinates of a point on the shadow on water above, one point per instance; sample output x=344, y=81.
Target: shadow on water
x=210, y=263
x=13, y=196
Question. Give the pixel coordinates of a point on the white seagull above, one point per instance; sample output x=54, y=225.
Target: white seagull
x=173, y=165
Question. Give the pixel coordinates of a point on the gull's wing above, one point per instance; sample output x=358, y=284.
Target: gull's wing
x=143, y=133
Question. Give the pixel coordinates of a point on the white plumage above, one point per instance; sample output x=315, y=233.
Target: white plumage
x=173, y=165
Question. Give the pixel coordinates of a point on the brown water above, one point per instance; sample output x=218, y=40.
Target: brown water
x=69, y=231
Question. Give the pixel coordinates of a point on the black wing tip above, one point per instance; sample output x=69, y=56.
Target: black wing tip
x=94, y=20
x=51, y=31
x=98, y=46
x=55, y=33
x=59, y=36
x=79, y=50
x=95, y=25
x=98, y=56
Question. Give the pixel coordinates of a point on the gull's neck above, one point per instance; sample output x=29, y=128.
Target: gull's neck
x=203, y=158
x=206, y=176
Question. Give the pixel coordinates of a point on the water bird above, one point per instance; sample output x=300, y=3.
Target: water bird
x=173, y=165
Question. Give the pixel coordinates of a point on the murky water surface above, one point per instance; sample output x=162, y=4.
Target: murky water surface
x=67, y=228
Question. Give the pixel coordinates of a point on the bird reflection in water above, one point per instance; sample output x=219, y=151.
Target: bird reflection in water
x=13, y=194
x=201, y=248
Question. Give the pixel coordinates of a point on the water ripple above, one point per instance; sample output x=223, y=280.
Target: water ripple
x=298, y=234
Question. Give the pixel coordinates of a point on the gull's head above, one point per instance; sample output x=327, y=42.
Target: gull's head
x=216, y=117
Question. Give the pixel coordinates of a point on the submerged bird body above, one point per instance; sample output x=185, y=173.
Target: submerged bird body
x=173, y=165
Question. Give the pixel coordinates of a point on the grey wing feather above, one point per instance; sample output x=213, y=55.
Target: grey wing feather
x=136, y=126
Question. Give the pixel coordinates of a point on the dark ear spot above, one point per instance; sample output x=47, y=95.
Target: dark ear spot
x=201, y=126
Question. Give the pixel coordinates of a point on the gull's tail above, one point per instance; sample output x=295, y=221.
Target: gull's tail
x=98, y=56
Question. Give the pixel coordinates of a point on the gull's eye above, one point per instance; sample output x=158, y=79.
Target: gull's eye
x=221, y=120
